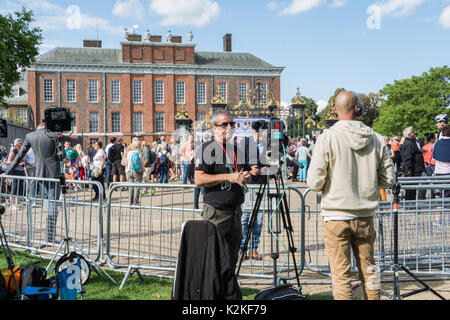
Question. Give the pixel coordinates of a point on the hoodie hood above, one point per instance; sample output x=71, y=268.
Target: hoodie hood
x=357, y=134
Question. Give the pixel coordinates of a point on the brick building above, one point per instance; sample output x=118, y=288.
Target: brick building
x=138, y=89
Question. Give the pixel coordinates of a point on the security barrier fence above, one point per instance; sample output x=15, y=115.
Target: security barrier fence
x=143, y=234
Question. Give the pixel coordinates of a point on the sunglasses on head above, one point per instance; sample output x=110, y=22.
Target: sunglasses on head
x=225, y=124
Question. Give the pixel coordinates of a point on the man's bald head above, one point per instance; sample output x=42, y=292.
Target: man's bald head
x=345, y=102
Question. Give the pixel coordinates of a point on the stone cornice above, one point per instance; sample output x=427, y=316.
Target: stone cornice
x=153, y=68
x=156, y=44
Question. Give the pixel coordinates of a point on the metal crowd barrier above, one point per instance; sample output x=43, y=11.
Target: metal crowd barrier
x=423, y=232
x=146, y=236
x=26, y=216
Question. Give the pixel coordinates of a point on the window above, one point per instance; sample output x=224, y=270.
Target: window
x=115, y=121
x=115, y=91
x=3, y=113
x=93, y=90
x=48, y=90
x=159, y=122
x=242, y=91
x=74, y=122
x=263, y=93
x=22, y=114
x=137, y=91
x=159, y=92
x=223, y=90
x=92, y=141
x=70, y=90
x=179, y=89
x=201, y=92
x=137, y=122
x=93, y=122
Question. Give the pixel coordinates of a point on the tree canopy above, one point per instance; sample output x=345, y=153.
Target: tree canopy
x=414, y=102
x=18, y=49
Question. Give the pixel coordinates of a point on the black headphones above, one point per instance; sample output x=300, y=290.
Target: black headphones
x=360, y=108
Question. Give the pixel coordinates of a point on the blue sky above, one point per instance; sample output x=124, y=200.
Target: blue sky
x=361, y=45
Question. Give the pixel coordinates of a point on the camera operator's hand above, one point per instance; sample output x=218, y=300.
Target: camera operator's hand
x=254, y=171
x=247, y=176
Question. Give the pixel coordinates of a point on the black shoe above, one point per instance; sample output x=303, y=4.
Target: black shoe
x=94, y=199
x=295, y=180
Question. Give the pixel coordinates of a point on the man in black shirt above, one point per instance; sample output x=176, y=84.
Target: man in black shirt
x=117, y=168
x=224, y=179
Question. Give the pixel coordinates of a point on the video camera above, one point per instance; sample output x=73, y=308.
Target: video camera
x=58, y=119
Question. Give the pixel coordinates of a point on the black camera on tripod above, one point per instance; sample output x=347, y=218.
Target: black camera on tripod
x=58, y=119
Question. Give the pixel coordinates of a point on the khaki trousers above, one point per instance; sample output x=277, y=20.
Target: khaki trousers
x=358, y=234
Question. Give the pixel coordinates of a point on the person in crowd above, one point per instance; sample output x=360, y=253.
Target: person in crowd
x=163, y=157
x=149, y=157
x=108, y=166
x=427, y=152
x=254, y=152
x=395, y=153
x=174, y=157
x=116, y=153
x=441, y=154
x=30, y=171
x=186, y=154
x=135, y=171
x=43, y=144
x=301, y=155
x=155, y=165
x=349, y=164
x=413, y=159
x=217, y=170
x=17, y=188
x=98, y=162
x=441, y=121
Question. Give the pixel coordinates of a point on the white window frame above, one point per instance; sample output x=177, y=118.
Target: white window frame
x=115, y=122
x=180, y=92
x=159, y=92
x=223, y=90
x=97, y=120
x=263, y=93
x=137, y=91
x=115, y=91
x=159, y=122
x=201, y=92
x=48, y=90
x=138, y=122
x=93, y=90
x=241, y=92
x=71, y=90
x=22, y=114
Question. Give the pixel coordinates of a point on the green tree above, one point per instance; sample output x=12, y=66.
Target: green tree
x=18, y=49
x=371, y=103
x=414, y=102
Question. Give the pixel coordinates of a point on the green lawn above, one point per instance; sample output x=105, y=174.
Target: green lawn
x=99, y=287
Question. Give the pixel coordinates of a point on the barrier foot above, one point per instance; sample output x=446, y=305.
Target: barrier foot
x=130, y=272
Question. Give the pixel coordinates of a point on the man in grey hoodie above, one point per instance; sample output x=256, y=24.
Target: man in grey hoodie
x=348, y=166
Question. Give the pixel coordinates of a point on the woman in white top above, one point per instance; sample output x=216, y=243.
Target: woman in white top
x=99, y=161
x=302, y=156
x=135, y=171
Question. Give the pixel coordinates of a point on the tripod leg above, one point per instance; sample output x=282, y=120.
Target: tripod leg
x=251, y=224
x=8, y=257
x=426, y=287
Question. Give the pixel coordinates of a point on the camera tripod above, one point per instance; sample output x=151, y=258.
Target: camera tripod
x=66, y=240
x=281, y=211
x=396, y=266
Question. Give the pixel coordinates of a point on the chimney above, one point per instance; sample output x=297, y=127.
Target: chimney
x=176, y=39
x=134, y=37
x=227, y=42
x=92, y=43
x=155, y=38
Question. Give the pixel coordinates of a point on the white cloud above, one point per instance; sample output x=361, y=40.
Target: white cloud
x=398, y=8
x=338, y=3
x=321, y=104
x=444, y=19
x=298, y=6
x=197, y=13
x=273, y=5
x=129, y=9
x=50, y=16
